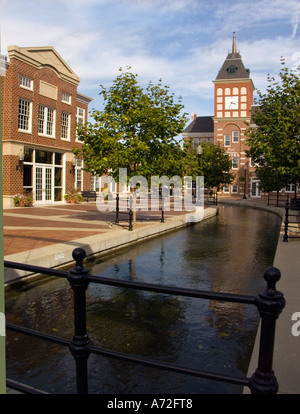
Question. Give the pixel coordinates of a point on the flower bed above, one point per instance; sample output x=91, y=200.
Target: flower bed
x=21, y=200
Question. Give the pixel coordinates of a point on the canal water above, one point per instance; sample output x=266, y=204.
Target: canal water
x=227, y=253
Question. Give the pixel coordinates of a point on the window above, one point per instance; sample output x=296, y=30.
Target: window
x=235, y=136
x=66, y=97
x=290, y=188
x=232, y=69
x=195, y=142
x=78, y=174
x=43, y=157
x=65, y=126
x=46, y=121
x=227, y=140
x=235, y=163
x=26, y=82
x=24, y=120
x=226, y=188
x=234, y=189
x=80, y=119
x=95, y=183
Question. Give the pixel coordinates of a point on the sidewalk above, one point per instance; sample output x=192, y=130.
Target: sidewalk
x=46, y=236
x=286, y=361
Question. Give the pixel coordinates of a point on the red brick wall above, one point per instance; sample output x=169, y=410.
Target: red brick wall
x=12, y=179
x=11, y=92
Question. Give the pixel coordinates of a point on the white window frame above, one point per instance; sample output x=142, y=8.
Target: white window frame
x=65, y=126
x=48, y=119
x=290, y=188
x=79, y=119
x=78, y=175
x=95, y=183
x=26, y=82
x=235, y=136
x=66, y=98
x=234, y=189
x=235, y=165
x=26, y=116
x=226, y=140
x=226, y=189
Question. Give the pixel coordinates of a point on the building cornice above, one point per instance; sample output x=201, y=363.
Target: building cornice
x=238, y=80
x=83, y=98
x=44, y=57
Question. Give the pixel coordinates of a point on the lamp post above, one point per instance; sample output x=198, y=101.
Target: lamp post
x=199, y=153
x=245, y=172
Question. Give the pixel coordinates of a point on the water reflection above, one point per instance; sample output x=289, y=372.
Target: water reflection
x=227, y=253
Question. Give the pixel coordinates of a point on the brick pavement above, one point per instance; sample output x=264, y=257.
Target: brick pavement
x=28, y=228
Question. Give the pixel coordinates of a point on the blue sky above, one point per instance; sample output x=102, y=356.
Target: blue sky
x=184, y=42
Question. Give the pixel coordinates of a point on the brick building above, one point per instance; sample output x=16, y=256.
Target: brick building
x=233, y=106
x=40, y=110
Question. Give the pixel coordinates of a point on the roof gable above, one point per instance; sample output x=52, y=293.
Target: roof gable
x=45, y=56
x=233, y=61
x=233, y=67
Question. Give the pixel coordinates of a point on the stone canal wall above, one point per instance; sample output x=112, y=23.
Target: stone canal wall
x=59, y=255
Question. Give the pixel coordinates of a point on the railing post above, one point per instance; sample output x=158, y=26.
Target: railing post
x=79, y=347
x=270, y=303
x=286, y=221
x=162, y=220
x=130, y=213
x=117, y=208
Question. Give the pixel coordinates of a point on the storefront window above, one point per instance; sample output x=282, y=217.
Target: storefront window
x=43, y=157
x=27, y=175
x=28, y=154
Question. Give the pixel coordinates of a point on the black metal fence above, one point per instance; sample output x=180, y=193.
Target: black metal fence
x=269, y=303
x=277, y=199
x=291, y=222
x=129, y=212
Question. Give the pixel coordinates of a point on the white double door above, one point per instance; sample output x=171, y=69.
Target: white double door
x=255, y=188
x=44, y=188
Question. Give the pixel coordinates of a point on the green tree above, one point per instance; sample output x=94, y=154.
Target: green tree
x=270, y=179
x=137, y=130
x=275, y=139
x=215, y=165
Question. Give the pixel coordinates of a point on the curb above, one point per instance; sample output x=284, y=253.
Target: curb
x=59, y=255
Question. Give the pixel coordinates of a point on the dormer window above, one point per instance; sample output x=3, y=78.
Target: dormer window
x=232, y=70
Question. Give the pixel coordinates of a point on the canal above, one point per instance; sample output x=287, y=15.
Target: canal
x=227, y=253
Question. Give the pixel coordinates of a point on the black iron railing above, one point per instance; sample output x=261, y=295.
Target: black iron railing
x=129, y=212
x=292, y=211
x=269, y=303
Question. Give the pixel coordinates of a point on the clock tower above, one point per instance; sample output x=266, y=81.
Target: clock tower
x=233, y=102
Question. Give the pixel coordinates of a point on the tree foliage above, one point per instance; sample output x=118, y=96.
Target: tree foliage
x=275, y=139
x=136, y=130
x=215, y=165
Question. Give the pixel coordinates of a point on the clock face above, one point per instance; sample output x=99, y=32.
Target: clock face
x=231, y=102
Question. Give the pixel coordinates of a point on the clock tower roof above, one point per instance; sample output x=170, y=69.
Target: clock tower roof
x=233, y=67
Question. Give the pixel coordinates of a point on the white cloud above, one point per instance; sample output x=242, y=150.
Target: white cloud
x=185, y=42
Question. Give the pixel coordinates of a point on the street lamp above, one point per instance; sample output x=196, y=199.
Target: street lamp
x=245, y=171
x=199, y=152
x=21, y=160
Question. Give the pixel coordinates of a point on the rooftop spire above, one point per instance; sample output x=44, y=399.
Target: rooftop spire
x=234, y=44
